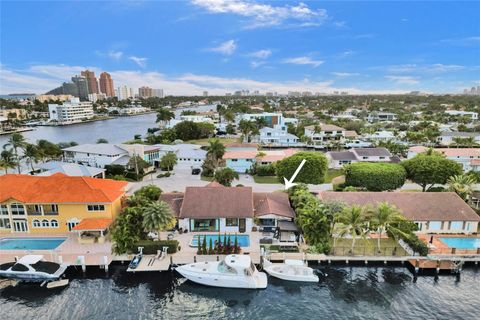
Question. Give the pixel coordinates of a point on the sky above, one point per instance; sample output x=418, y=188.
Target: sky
x=186, y=47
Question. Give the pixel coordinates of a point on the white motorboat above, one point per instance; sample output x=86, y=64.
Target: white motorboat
x=290, y=270
x=32, y=268
x=236, y=271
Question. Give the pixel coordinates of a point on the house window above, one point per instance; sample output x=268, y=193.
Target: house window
x=54, y=207
x=234, y=160
x=364, y=158
x=38, y=208
x=96, y=207
x=3, y=210
x=36, y=223
x=17, y=209
x=54, y=224
x=231, y=222
x=5, y=223
x=381, y=158
x=45, y=224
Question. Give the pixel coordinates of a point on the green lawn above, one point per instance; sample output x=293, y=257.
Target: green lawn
x=333, y=173
x=367, y=247
x=266, y=179
x=204, y=142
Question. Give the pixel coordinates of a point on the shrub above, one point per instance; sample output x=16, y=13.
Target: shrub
x=312, y=172
x=164, y=175
x=151, y=247
x=265, y=170
x=114, y=169
x=375, y=176
x=416, y=244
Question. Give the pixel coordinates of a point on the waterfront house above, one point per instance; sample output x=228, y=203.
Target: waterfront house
x=377, y=116
x=57, y=203
x=432, y=212
x=464, y=114
x=324, y=134
x=216, y=208
x=70, y=169
x=336, y=159
x=276, y=136
x=469, y=158
x=243, y=160
x=448, y=138
x=96, y=155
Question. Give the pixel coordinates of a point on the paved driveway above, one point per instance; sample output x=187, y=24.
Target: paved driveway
x=183, y=178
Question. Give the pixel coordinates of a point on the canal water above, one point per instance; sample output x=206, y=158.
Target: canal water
x=116, y=130
x=347, y=292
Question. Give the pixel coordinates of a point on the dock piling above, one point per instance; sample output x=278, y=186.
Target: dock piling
x=105, y=263
x=81, y=261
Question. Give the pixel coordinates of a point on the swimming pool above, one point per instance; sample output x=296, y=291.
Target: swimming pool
x=242, y=239
x=30, y=243
x=462, y=243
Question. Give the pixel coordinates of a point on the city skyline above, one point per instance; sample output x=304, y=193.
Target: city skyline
x=225, y=46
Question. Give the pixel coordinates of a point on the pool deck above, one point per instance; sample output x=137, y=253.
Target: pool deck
x=438, y=247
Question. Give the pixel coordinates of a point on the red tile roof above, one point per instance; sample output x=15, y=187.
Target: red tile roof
x=59, y=188
x=276, y=203
x=93, y=224
x=240, y=154
x=450, y=152
x=417, y=206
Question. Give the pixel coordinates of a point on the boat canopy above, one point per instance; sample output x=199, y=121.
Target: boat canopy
x=238, y=261
x=30, y=259
x=288, y=226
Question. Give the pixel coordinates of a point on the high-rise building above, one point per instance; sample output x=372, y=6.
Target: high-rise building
x=124, y=92
x=205, y=93
x=106, y=84
x=82, y=87
x=158, y=93
x=145, y=92
x=91, y=81
x=69, y=112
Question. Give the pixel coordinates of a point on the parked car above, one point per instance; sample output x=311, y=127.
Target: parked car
x=196, y=171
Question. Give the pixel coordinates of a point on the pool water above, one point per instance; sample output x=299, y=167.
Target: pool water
x=30, y=243
x=462, y=243
x=243, y=239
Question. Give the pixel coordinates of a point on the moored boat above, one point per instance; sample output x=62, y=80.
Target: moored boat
x=290, y=270
x=32, y=268
x=235, y=271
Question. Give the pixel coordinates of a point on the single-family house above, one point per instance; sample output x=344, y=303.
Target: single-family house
x=276, y=136
x=96, y=155
x=459, y=113
x=241, y=161
x=70, y=169
x=432, y=212
x=378, y=116
x=324, y=134
x=216, y=208
x=337, y=159
x=469, y=158
x=380, y=136
x=58, y=203
x=447, y=138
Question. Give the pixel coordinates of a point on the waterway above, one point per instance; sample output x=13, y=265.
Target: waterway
x=116, y=130
x=347, y=292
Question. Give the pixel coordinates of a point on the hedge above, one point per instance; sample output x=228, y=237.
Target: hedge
x=265, y=170
x=416, y=244
x=151, y=247
x=313, y=172
x=375, y=176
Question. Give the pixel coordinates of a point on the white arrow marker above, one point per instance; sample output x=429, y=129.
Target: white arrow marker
x=289, y=184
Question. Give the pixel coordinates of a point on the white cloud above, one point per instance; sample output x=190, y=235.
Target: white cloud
x=256, y=64
x=227, y=47
x=346, y=54
x=465, y=41
x=423, y=68
x=141, y=62
x=115, y=55
x=42, y=78
x=345, y=74
x=403, y=79
x=303, y=61
x=266, y=15
x=260, y=54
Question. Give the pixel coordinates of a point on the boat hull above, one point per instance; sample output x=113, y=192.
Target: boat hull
x=282, y=272
x=257, y=281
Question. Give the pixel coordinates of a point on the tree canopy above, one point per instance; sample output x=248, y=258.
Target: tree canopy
x=225, y=176
x=375, y=176
x=428, y=169
x=313, y=171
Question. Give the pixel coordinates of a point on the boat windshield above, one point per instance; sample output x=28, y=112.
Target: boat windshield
x=250, y=270
x=223, y=268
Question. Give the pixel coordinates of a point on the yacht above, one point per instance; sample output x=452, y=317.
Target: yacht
x=235, y=271
x=290, y=270
x=32, y=268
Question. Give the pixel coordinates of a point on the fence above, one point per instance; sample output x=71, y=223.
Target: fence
x=368, y=251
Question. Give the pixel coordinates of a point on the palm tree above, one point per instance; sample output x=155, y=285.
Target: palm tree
x=158, y=216
x=384, y=217
x=461, y=185
x=164, y=115
x=7, y=160
x=168, y=161
x=352, y=221
x=229, y=116
x=32, y=154
x=16, y=141
x=246, y=127
x=216, y=148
